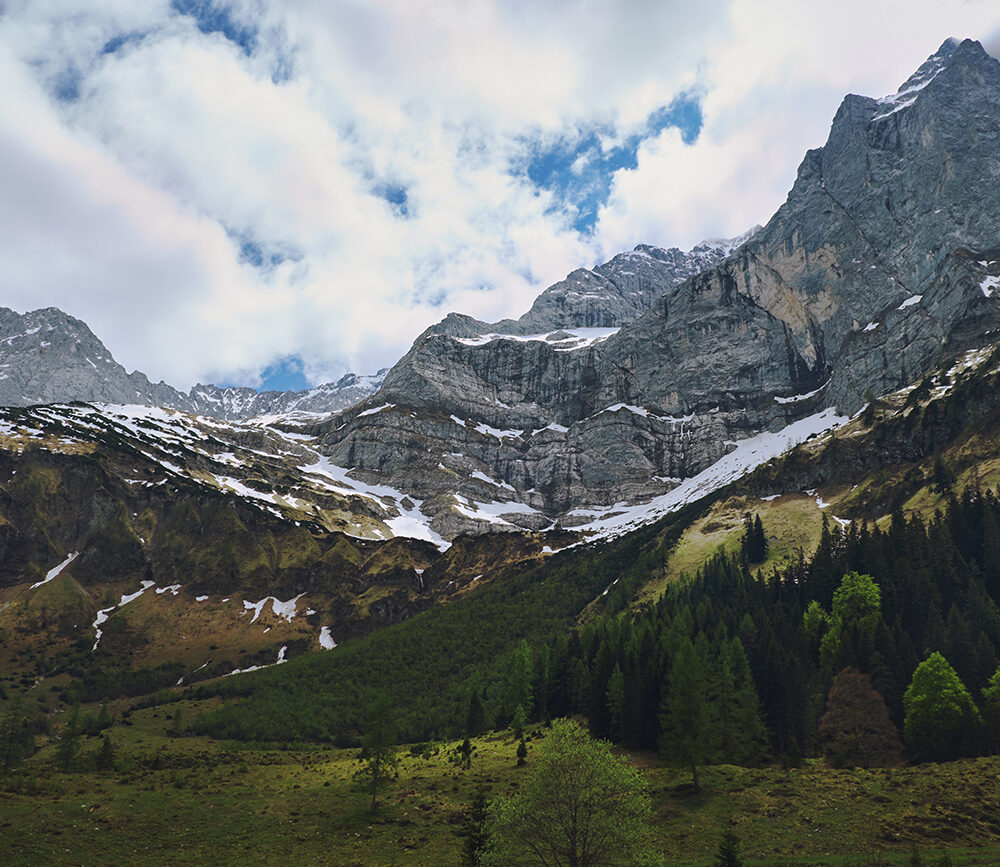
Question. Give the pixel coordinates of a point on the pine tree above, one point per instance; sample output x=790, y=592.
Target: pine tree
x=69, y=743
x=684, y=716
x=475, y=829
x=616, y=702
x=729, y=851
x=380, y=759
x=518, y=722
x=749, y=737
x=13, y=735
x=105, y=758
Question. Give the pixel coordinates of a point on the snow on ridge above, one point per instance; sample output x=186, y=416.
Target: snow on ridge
x=580, y=337
x=645, y=413
x=285, y=610
x=909, y=302
x=326, y=639
x=55, y=571
x=410, y=522
x=489, y=430
x=988, y=285
x=748, y=455
x=376, y=409
x=795, y=398
x=104, y=613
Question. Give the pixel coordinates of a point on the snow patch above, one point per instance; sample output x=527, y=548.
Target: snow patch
x=746, y=456
x=326, y=639
x=285, y=610
x=104, y=613
x=376, y=409
x=55, y=571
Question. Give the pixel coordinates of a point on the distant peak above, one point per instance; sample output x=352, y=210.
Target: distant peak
x=727, y=245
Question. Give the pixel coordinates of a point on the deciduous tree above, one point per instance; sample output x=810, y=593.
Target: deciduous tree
x=856, y=728
x=941, y=721
x=579, y=805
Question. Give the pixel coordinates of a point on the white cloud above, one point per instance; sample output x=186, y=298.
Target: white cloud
x=127, y=207
x=773, y=82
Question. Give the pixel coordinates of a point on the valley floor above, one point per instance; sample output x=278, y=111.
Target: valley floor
x=194, y=801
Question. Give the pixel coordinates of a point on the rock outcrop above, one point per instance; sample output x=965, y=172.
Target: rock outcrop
x=880, y=264
x=48, y=356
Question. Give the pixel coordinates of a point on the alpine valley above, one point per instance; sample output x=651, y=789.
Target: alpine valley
x=534, y=518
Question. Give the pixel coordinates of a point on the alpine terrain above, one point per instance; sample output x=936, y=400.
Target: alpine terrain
x=733, y=509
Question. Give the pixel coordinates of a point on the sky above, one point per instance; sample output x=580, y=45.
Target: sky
x=275, y=193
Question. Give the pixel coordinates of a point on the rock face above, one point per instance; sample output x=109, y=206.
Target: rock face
x=608, y=296
x=47, y=356
x=881, y=263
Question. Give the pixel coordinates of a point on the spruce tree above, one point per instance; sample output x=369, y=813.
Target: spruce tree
x=684, y=715
x=380, y=759
x=69, y=743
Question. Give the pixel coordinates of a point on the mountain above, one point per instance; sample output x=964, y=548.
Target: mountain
x=881, y=264
x=608, y=296
x=47, y=356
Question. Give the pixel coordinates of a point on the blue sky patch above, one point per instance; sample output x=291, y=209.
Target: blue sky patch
x=578, y=170
x=117, y=43
x=213, y=17
x=396, y=196
x=285, y=374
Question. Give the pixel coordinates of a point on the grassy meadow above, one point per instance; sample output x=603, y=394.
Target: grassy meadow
x=188, y=800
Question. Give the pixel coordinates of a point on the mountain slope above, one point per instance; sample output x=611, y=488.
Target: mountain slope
x=880, y=265
x=47, y=356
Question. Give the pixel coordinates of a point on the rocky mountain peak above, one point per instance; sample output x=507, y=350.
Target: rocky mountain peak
x=869, y=275
x=48, y=356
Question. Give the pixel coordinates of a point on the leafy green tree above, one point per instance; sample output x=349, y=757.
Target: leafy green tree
x=857, y=612
x=941, y=721
x=856, y=728
x=684, y=714
x=378, y=753
x=579, y=805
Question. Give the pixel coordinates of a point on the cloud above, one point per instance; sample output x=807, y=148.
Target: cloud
x=216, y=187
x=773, y=82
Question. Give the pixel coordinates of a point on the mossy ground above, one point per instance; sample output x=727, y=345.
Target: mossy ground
x=187, y=800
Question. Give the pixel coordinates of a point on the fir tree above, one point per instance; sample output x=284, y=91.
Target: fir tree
x=69, y=743
x=684, y=717
x=380, y=759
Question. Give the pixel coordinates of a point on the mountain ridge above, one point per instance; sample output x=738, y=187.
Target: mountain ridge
x=871, y=272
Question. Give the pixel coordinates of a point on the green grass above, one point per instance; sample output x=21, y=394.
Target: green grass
x=192, y=800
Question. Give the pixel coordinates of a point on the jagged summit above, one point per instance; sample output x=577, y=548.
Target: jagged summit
x=48, y=356
x=869, y=275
